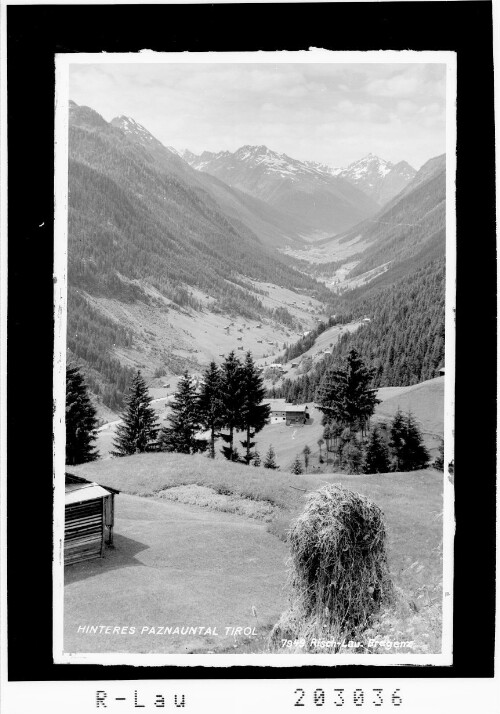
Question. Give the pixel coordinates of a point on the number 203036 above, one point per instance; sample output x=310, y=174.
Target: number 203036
x=348, y=698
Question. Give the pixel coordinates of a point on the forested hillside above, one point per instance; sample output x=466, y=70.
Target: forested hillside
x=131, y=219
x=404, y=340
x=146, y=228
x=141, y=220
x=410, y=226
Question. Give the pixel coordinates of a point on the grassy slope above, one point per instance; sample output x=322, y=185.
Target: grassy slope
x=424, y=400
x=176, y=565
x=412, y=504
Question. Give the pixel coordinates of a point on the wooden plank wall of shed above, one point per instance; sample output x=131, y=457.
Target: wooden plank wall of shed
x=84, y=530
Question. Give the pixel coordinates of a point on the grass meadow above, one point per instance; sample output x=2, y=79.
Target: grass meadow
x=411, y=503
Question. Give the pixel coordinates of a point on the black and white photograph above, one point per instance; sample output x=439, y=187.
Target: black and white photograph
x=248, y=357
x=256, y=349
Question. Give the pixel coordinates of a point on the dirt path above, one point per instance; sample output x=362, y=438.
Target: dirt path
x=176, y=566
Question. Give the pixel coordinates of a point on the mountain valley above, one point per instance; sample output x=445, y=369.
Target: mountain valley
x=175, y=260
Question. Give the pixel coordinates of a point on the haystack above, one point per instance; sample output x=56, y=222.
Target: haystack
x=338, y=572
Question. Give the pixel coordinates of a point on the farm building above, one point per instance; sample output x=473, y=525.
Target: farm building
x=89, y=510
x=281, y=412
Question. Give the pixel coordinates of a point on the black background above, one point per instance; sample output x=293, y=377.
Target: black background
x=35, y=34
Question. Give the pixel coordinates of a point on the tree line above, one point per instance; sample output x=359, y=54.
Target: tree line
x=404, y=340
x=347, y=400
x=230, y=401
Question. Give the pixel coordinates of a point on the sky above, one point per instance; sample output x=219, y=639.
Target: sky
x=326, y=112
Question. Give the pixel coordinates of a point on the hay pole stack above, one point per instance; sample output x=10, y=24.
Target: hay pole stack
x=338, y=572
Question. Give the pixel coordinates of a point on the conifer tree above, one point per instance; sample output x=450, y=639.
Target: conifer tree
x=270, y=460
x=254, y=414
x=407, y=444
x=397, y=436
x=414, y=455
x=138, y=428
x=296, y=467
x=231, y=400
x=81, y=422
x=184, y=421
x=345, y=395
x=377, y=459
x=210, y=404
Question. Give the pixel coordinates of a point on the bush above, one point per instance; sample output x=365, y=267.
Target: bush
x=439, y=460
x=353, y=456
x=296, y=467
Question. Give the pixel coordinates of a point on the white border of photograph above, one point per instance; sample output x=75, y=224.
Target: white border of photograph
x=314, y=55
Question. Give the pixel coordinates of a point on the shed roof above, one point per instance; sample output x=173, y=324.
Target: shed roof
x=76, y=483
x=281, y=405
x=85, y=493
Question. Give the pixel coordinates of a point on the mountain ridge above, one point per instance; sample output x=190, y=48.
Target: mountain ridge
x=152, y=242
x=327, y=203
x=408, y=228
x=378, y=178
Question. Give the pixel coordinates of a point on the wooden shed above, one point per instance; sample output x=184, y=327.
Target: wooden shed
x=89, y=510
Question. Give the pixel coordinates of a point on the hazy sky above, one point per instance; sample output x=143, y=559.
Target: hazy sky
x=332, y=113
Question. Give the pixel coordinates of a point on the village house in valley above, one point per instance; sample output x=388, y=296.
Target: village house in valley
x=283, y=412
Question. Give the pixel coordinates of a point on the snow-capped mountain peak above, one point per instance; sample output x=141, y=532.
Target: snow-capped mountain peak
x=294, y=186
x=140, y=134
x=376, y=177
x=258, y=157
x=130, y=126
x=369, y=166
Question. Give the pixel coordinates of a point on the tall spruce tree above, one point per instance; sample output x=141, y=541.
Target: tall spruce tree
x=232, y=401
x=254, y=414
x=377, y=458
x=184, y=420
x=345, y=395
x=210, y=404
x=138, y=428
x=81, y=422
